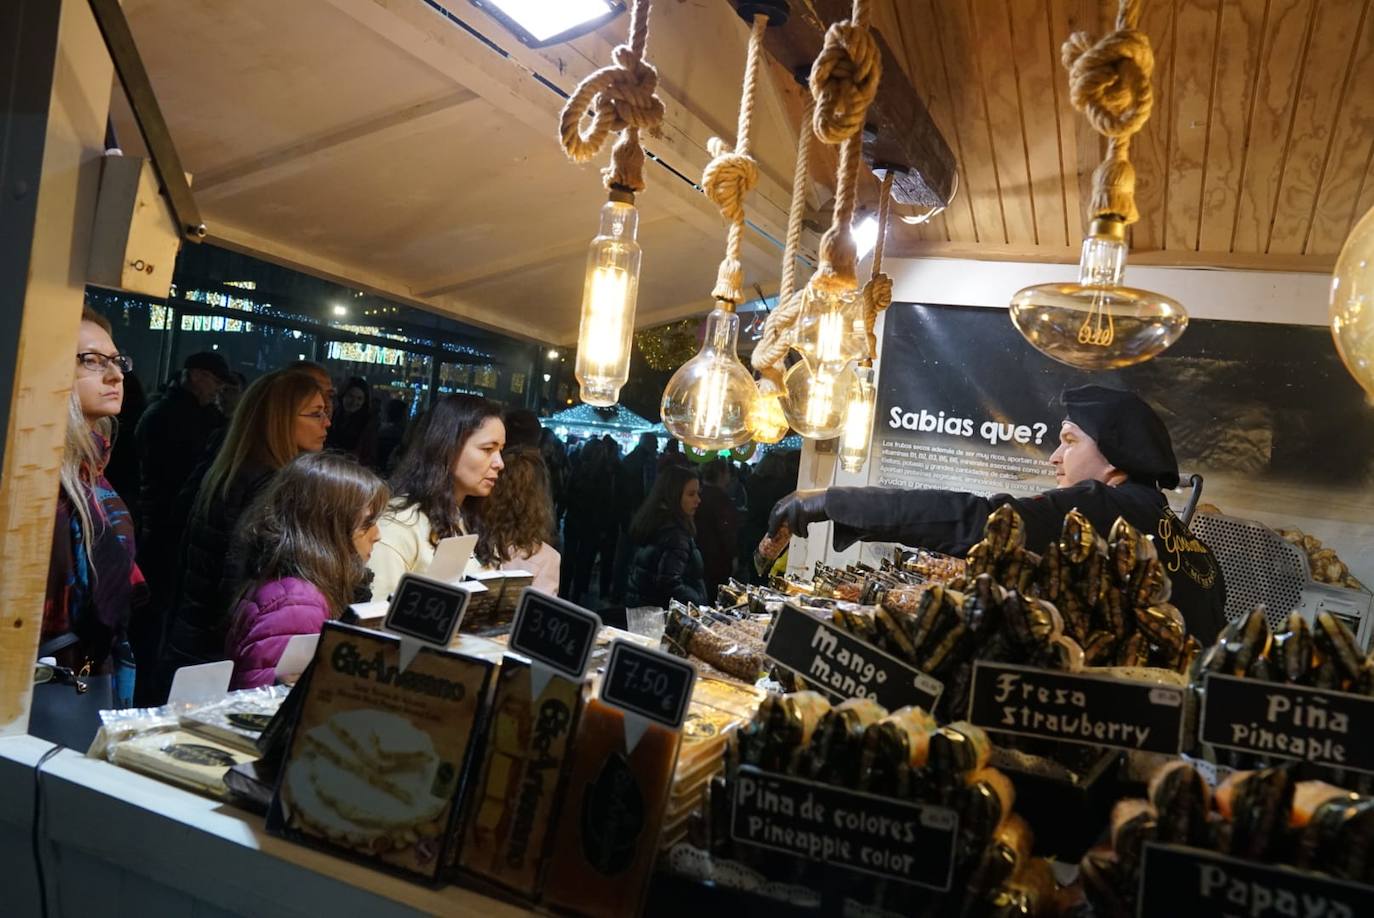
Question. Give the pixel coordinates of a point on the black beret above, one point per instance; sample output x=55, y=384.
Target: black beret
x=1127, y=431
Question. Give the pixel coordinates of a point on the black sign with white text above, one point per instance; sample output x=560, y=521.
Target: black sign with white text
x=427, y=610
x=1076, y=708
x=554, y=632
x=1178, y=881
x=907, y=842
x=842, y=666
x=1288, y=721
x=648, y=683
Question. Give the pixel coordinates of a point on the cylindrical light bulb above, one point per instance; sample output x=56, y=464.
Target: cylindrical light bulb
x=1352, y=303
x=1098, y=323
x=830, y=328
x=608, y=303
x=815, y=401
x=709, y=400
x=858, y=419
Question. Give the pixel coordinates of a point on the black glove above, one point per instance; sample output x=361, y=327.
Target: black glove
x=798, y=510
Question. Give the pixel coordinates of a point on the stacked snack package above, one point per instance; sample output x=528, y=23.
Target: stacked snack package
x=1263, y=816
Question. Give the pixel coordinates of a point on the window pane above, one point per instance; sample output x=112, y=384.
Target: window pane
x=250, y=348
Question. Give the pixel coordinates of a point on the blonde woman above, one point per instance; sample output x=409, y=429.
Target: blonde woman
x=280, y=416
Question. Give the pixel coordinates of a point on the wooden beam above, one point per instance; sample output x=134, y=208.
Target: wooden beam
x=900, y=245
x=903, y=136
x=53, y=135
x=270, y=165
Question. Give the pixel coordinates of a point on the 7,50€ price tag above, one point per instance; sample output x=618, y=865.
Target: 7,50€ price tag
x=647, y=684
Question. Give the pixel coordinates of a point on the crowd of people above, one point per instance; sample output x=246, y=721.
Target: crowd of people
x=221, y=518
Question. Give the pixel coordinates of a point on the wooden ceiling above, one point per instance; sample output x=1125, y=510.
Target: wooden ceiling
x=408, y=146
x=1257, y=155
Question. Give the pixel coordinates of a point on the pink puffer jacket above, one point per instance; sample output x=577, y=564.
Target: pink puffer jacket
x=265, y=620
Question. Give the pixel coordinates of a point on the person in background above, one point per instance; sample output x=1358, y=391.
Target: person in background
x=440, y=485
x=633, y=482
x=590, y=522
x=280, y=416
x=717, y=522
x=556, y=462
x=667, y=564
x=774, y=478
x=390, y=434
x=172, y=437
x=517, y=518
x=122, y=470
x=523, y=430
x=94, y=582
x=322, y=379
x=1113, y=458
x=672, y=455
x=354, y=430
x=305, y=542
x=227, y=399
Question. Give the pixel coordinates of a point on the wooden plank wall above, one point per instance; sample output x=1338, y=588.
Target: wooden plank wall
x=1259, y=153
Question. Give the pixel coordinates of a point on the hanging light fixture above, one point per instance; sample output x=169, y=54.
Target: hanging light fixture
x=1352, y=303
x=710, y=400
x=766, y=417
x=620, y=99
x=858, y=417
x=1098, y=323
x=608, y=303
x=815, y=400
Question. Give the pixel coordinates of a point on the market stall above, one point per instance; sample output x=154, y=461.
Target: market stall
x=1023, y=720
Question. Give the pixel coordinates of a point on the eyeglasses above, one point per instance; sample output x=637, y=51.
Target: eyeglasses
x=96, y=362
x=315, y=415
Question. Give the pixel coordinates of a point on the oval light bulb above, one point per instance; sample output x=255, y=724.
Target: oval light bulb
x=815, y=401
x=1097, y=323
x=829, y=331
x=707, y=403
x=766, y=418
x=1352, y=303
x=609, y=290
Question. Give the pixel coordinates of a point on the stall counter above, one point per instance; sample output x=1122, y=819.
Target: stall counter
x=117, y=843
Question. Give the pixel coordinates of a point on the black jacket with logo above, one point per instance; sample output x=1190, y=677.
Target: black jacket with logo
x=952, y=521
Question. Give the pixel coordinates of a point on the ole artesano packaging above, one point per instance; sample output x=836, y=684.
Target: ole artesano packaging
x=512, y=805
x=378, y=756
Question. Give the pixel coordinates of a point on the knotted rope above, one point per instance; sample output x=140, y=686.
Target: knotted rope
x=732, y=173
x=877, y=293
x=620, y=98
x=1109, y=82
x=844, y=81
x=772, y=347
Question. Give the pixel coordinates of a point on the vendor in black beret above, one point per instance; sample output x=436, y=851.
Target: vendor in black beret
x=1114, y=456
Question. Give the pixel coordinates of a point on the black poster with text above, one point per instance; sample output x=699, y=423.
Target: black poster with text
x=1265, y=412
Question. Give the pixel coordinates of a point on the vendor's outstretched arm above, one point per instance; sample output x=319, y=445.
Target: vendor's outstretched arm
x=945, y=521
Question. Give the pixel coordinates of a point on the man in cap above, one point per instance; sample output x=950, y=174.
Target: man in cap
x=1114, y=456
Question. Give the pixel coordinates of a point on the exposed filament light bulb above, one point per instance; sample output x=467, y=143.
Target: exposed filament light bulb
x=858, y=418
x=609, y=291
x=830, y=328
x=1098, y=323
x=815, y=400
x=710, y=399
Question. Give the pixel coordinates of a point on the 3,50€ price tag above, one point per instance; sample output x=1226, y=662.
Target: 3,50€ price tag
x=647, y=686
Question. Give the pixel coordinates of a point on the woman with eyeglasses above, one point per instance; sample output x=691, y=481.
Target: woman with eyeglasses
x=93, y=581
x=440, y=486
x=280, y=416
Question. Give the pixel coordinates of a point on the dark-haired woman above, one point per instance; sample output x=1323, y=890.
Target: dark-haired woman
x=440, y=484
x=305, y=542
x=667, y=564
x=355, y=423
x=518, y=518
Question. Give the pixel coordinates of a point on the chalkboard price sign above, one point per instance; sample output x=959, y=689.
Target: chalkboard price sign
x=554, y=632
x=427, y=610
x=649, y=683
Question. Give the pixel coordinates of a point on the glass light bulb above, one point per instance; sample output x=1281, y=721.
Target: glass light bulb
x=816, y=400
x=766, y=418
x=858, y=419
x=1097, y=323
x=608, y=303
x=708, y=402
x=830, y=328
x=1352, y=303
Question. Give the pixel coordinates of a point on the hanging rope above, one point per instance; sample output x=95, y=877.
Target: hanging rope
x=844, y=81
x=772, y=347
x=877, y=292
x=732, y=173
x=1109, y=82
x=620, y=98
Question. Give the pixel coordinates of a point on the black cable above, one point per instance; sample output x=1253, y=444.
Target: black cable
x=37, y=832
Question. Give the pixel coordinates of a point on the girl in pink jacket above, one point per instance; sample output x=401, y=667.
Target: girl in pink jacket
x=305, y=543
